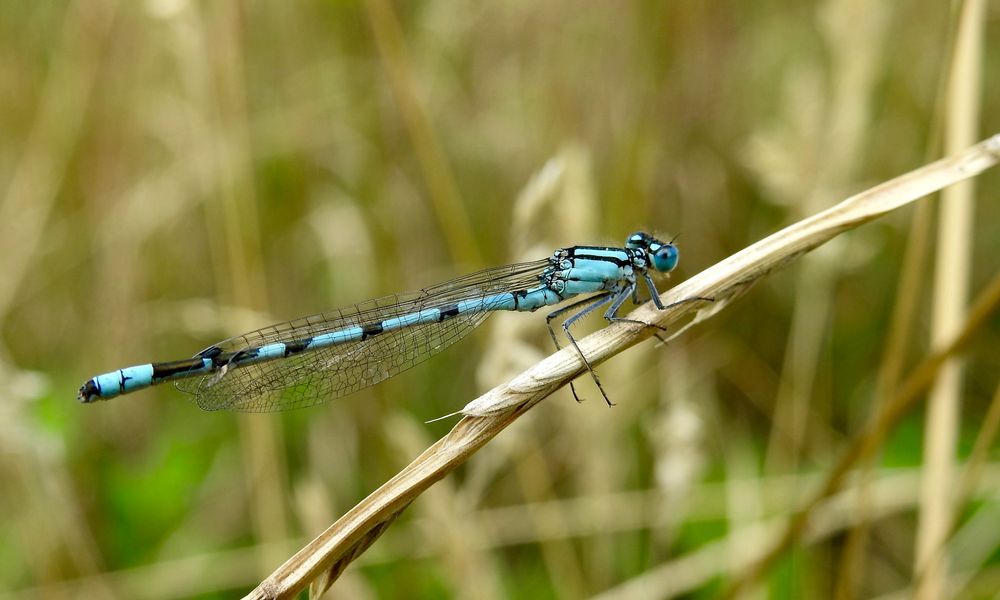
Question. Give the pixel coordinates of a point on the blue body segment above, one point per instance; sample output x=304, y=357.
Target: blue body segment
x=130, y=379
x=425, y=316
x=125, y=380
x=275, y=350
x=350, y=334
x=324, y=356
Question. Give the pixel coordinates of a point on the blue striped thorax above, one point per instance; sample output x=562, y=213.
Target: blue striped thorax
x=590, y=269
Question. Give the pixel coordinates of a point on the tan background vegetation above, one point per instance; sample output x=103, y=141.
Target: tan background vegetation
x=177, y=172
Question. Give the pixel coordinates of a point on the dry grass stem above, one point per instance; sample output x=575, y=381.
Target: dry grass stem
x=321, y=561
x=950, y=295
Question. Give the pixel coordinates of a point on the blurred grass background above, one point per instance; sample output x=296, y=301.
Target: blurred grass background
x=174, y=173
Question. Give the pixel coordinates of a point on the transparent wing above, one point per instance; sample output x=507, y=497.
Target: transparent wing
x=319, y=375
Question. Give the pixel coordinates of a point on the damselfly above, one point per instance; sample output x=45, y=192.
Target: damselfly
x=325, y=356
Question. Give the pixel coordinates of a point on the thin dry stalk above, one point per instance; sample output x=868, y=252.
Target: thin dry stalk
x=951, y=289
x=321, y=561
x=897, y=340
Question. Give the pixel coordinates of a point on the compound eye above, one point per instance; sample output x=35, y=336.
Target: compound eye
x=665, y=258
x=637, y=240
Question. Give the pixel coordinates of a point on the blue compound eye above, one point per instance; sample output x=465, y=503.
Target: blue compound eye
x=665, y=258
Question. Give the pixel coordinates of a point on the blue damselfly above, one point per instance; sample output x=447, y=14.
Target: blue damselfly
x=324, y=356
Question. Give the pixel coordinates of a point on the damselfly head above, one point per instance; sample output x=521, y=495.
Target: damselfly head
x=662, y=255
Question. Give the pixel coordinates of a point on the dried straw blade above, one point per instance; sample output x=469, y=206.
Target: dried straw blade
x=322, y=560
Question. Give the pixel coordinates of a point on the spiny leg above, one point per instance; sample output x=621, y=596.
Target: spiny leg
x=653, y=292
x=613, y=318
x=558, y=312
x=611, y=313
x=690, y=299
x=597, y=300
x=618, y=299
x=655, y=295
